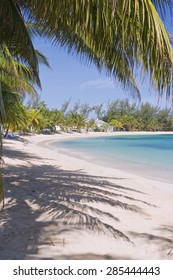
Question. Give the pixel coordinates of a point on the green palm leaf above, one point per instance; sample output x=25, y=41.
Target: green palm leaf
x=13, y=32
x=114, y=35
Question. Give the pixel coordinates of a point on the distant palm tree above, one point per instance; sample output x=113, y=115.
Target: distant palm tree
x=118, y=125
x=14, y=110
x=34, y=120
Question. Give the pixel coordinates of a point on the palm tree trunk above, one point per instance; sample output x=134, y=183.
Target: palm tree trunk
x=6, y=133
x=2, y=112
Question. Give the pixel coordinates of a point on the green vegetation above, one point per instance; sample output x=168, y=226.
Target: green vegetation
x=119, y=114
x=125, y=116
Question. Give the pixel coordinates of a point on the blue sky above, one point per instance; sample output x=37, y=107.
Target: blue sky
x=70, y=78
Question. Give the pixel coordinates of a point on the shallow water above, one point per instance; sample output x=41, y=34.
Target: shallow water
x=147, y=155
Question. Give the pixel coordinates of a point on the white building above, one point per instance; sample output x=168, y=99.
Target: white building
x=103, y=126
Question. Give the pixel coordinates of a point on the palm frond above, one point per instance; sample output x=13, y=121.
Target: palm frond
x=14, y=33
x=32, y=29
x=14, y=75
x=114, y=35
x=14, y=110
x=163, y=6
x=42, y=59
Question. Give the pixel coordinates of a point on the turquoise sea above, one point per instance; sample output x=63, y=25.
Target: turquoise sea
x=147, y=155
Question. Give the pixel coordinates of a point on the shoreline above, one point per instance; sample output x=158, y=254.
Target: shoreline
x=122, y=165
x=57, y=207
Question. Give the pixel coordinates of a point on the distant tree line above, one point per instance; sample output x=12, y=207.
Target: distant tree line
x=120, y=114
x=125, y=116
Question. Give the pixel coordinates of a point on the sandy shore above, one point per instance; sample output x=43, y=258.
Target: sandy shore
x=61, y=207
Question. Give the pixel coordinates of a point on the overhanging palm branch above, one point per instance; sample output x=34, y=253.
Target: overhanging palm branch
x=14, y=34
x=118, y=58
x=16, y=76
x=42, y=59
x=112, y=34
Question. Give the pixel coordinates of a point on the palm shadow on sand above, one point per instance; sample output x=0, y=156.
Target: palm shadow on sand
x=71, y=199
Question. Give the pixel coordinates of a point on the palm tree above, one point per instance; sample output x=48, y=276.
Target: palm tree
x=114, y=35
x=34, y=120
x=16, y=79
x=15, y=111
x=55, y=118
x=117, y=124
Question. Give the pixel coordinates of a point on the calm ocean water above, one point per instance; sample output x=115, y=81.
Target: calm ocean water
x=147, y=155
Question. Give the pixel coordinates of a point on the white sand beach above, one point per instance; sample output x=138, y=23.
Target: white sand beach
x=58, y=206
